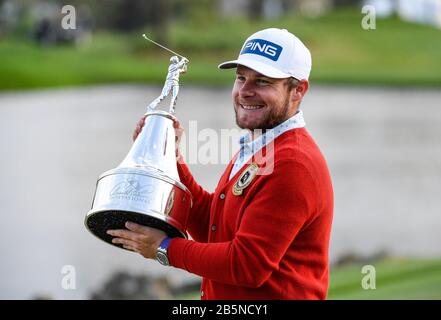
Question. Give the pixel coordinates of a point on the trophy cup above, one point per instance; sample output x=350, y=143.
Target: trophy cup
x=145, y=188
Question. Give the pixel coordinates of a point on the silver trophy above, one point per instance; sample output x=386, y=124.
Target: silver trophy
x=145, y=188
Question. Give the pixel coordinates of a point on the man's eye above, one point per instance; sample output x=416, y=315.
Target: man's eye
x=262, y=82
x=240, y=78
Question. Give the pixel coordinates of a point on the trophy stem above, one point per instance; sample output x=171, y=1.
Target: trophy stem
x=155, y=146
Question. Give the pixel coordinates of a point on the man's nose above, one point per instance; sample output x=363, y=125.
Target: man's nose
x=247, y=89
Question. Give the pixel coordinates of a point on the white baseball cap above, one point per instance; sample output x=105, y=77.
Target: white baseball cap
x=275, y=53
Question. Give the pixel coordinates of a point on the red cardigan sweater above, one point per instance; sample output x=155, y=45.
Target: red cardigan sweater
x=270, y=242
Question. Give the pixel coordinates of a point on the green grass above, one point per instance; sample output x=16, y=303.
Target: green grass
x=395, y=279
x=400, y=279
x=395, y=54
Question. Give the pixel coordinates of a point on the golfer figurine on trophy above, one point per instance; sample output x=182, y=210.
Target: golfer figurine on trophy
x=171, y=83
x=145, y=188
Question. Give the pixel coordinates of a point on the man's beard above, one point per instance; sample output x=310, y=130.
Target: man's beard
x=272, y=119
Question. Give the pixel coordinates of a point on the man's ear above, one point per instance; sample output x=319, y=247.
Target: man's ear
x=298, y=92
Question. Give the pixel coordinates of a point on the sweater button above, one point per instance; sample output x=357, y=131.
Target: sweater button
x=213, y=227
x=222, y=196
x=202, y=293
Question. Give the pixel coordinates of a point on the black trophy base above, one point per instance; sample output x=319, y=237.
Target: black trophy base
x=99, y=222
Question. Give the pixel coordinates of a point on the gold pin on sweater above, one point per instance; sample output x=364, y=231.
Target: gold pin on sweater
x=245, y=179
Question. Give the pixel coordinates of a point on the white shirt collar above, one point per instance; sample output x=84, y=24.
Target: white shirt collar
x=249, y=147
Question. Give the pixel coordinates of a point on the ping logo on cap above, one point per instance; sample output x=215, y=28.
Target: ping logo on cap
x=263, y=48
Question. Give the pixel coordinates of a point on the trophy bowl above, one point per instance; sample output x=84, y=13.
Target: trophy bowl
x=141, y=196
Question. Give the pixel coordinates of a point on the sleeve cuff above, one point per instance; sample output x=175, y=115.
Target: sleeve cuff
x=176, y=252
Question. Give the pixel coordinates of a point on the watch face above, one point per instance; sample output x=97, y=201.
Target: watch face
x=162, y=258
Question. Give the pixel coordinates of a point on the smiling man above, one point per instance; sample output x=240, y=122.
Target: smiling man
x=261, y=102
x=264, y=233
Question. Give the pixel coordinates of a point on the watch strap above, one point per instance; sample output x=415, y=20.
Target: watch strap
x=164, y=243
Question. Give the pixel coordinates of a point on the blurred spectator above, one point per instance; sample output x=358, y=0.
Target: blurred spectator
x=272, y=9
x=383, y=8
x=9, y=15
x=47, y=29
x=314, y=8
x=418, y=11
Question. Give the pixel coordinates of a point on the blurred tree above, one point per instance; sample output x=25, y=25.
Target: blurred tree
x=159, y=16
x=132, y=14
x=255, y=9
x=3, y=18
x=198, y=11
x=288, y=4
x=347, y=3
x=127, y=16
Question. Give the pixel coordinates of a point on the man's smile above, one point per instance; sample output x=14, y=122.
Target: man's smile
x=251, y=107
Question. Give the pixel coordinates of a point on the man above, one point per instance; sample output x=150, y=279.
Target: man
x=263, y=234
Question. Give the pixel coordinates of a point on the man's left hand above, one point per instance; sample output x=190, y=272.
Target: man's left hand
x=141, y=239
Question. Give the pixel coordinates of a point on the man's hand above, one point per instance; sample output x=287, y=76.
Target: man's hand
x=141, y=239
x=179, y=130
x=138, y=128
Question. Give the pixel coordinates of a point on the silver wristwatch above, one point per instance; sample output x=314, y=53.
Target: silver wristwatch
x=161, y=252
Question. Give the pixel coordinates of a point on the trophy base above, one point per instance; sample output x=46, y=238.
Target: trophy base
x=98, y=223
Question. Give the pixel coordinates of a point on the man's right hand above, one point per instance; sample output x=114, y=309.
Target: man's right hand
x=179, y=130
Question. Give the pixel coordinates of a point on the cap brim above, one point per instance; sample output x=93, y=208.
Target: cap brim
x=260, y=67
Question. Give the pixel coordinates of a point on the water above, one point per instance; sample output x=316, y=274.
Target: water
x=382, y=146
